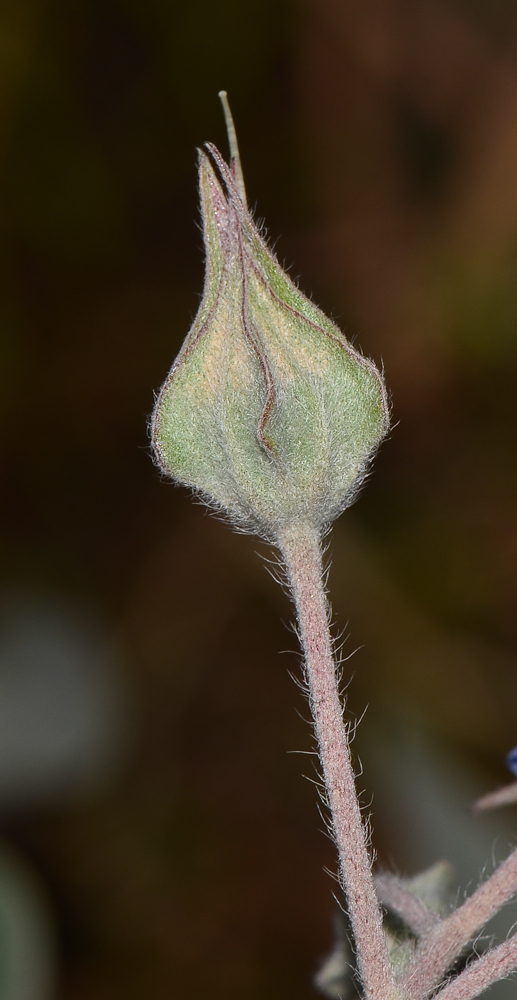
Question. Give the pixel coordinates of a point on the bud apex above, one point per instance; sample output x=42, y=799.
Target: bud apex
x=268, y=412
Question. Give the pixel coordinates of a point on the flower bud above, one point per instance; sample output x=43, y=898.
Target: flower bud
x=268, y=412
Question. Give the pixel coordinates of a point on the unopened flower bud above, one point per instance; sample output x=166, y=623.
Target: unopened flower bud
x=268, y=412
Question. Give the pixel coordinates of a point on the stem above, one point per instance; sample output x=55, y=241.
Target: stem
x=479, y=975
x=435, y=954
x=300, y=547
x=505, y=796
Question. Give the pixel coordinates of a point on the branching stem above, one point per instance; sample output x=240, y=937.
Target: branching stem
x=300, y=547
x=479, y=975
x=436, y=952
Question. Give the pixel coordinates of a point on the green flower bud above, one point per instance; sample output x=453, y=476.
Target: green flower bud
x=268, y=412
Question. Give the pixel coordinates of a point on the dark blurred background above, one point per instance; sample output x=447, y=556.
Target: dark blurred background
x=149, y=798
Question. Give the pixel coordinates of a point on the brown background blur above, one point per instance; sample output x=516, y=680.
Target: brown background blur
x=379, y=143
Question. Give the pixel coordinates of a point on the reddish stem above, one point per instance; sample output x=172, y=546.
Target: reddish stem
x=438, y=950
x=300, y=547
x=479, y=975
x=506, y=796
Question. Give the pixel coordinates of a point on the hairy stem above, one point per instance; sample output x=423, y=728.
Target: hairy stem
x=479, y=975
x=300, y=547
x=438, y=950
